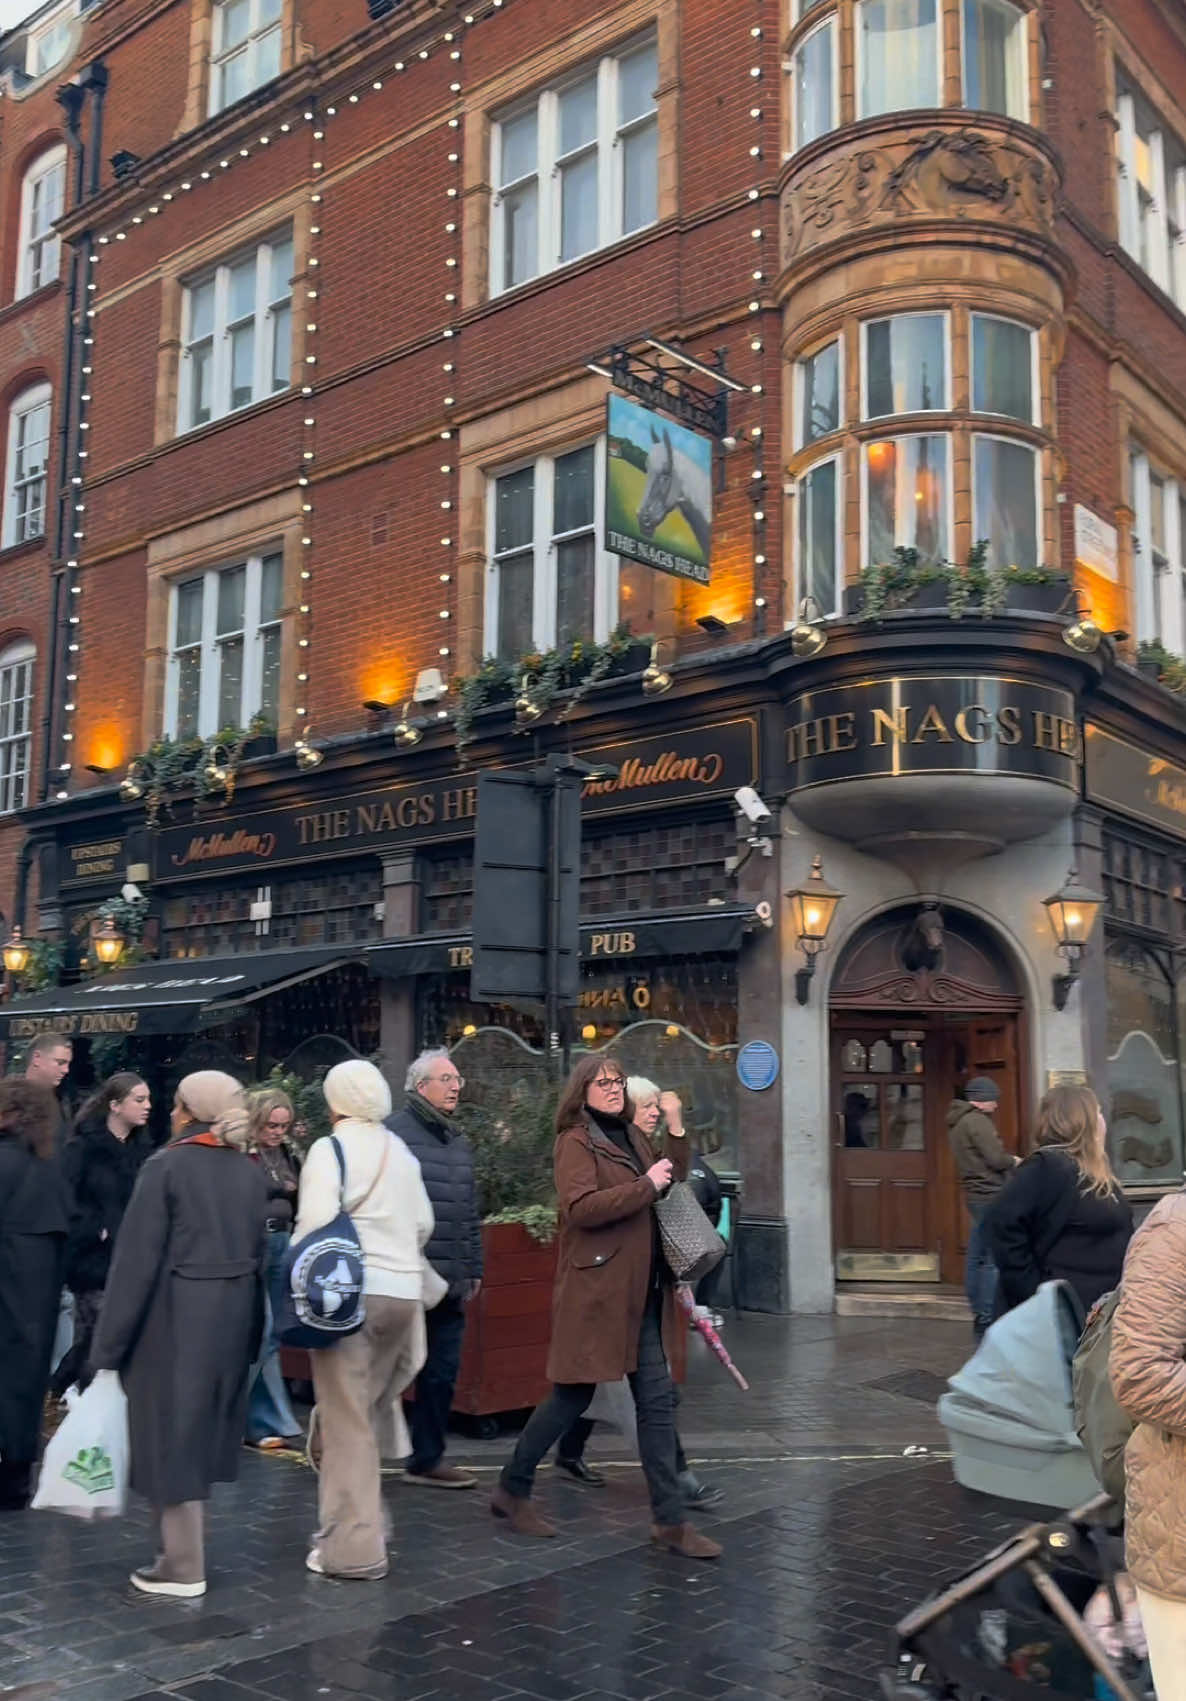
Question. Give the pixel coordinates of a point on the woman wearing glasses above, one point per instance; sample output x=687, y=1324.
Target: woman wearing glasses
x=611, y=1300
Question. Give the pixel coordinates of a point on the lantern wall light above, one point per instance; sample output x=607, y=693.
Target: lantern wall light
x=17, y=953
x=1072, y=911
x=107, y=942
x=813, y=904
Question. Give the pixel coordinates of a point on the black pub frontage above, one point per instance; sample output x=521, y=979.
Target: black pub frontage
x=947, y=775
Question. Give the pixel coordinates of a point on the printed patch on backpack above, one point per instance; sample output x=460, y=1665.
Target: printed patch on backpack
x=91, y=1470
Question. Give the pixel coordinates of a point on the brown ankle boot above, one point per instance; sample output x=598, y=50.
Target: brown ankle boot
x=686, y=1540
x=520, y=1514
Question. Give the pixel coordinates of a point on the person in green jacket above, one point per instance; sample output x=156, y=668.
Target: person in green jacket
x=982, y=1163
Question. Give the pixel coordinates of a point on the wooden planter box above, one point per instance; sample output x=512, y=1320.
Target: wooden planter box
x=507, y=1330
x=508, y=1326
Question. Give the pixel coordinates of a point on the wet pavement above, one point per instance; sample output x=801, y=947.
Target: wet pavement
x=830, y=1532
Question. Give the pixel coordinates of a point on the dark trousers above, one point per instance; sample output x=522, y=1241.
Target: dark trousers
x=572, y=1443
x=654, y=1404
x=429, y=1413
x=74, y=1367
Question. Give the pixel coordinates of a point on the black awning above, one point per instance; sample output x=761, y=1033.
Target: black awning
x=166, y=998
x=699, y=933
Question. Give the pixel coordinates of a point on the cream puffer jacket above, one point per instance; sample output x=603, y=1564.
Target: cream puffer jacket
x=1148, y=1369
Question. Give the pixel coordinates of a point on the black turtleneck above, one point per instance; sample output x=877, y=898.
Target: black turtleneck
x=614, y=1128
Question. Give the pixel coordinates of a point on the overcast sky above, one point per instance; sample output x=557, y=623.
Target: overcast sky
x=12, y=12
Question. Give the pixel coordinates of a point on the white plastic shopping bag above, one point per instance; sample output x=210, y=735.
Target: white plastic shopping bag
x=85, y=1469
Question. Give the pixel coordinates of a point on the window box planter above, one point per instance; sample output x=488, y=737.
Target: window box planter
x=262, y=744
x=508, y=1326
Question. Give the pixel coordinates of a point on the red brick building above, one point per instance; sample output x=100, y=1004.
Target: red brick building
x=311, y=392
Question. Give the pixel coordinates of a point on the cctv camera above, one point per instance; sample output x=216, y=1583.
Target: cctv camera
x=750, y=804
x=131, y=893
x=764, y=913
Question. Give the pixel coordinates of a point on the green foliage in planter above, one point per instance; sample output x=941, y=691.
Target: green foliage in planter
x=542, y=675
x=512, y=1144
x=973, y=586
x=1171, y=668
x=539, y=1220
x=46, y=960
x=205, y=767
x=129, y=916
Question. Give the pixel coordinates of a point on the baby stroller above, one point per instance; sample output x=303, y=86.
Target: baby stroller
x=1011, y=1628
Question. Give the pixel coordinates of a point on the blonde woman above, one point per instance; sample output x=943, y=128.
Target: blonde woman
x=1061, y=1215
x=182, y=1319
x=271, y=1423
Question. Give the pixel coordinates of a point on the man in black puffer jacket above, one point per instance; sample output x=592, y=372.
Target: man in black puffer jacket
x=454, y=1251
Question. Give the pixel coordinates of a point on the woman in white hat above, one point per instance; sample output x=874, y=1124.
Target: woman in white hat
x=358, y=1381
x=182, y=1319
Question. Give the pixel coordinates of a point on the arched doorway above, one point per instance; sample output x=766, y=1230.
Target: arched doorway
x=923, y=998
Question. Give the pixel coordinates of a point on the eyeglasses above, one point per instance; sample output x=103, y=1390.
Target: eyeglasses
x=605, y=1082
x=457, y=1081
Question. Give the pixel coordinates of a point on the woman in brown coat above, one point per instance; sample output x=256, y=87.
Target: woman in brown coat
x=608, y=1308
x=1148, y=1366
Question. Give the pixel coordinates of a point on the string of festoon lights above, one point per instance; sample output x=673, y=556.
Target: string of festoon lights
x=757, y=281
x=313, y=119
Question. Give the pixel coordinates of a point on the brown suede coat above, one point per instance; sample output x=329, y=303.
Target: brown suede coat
x=1148, y=1368
x=604, y=1257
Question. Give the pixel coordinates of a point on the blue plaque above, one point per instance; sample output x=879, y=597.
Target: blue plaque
x=757, y=1066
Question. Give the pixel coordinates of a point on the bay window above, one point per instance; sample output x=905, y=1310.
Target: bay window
x=16, y=725
x=1004, y=368
x=549, y=580
x=994, y=58
x=236, y=333
x=28, y=459
x=577, y=168
x=905, y=364
x=1151, y=191
x=897, y=56
x=817, y=394
x=814, y=93
x=1005, y=500
x=820, y=535
x=907, y=496
x=225, y=647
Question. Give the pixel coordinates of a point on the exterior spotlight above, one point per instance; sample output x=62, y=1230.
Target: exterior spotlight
x=712, y=624
x=107, y=942
x=130, y=787
x=216, y=773
x=306, y=756
x=655, y=679
x=807, y=637
x=404, y=732
x=526, y=707
x=812, y=907
x=1084, y=635
x=17, y=953
x=1072, y=911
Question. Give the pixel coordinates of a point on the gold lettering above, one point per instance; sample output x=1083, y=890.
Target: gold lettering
x=365, y=818
x=963, y=727
x=461, y=804
x=1045, y=730
x=407, y=811
x=843, y=730
x=895, y=724
x=932, y=722
x=1008, y=725
x=1068, y=738
x=461, y=956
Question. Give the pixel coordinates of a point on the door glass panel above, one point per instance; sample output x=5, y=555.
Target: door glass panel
x=905, y=1128
x=862, y=1116
x=853, y=1059
x=881, y=1057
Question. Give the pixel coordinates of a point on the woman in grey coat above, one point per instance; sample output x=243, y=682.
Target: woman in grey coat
x=183, y=1317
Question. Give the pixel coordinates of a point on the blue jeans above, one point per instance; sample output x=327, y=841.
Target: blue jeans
x=980, y=1273
x=268, y=1409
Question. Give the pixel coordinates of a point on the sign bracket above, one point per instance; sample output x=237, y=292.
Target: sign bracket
x=659, y=375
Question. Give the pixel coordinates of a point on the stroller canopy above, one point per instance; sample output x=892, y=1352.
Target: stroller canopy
x=1020, y=1375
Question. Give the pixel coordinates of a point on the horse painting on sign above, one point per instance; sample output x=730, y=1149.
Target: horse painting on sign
x=674, y=483
x=658, y=507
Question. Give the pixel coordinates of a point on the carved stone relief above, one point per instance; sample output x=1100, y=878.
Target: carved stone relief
x=948, y=173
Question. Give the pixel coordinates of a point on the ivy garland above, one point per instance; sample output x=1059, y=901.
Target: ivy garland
x=206, y=767
x=1170, y=668
x=540, y=676
x=971, y=586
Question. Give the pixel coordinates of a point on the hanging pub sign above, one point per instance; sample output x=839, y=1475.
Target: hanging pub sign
x=658, y=497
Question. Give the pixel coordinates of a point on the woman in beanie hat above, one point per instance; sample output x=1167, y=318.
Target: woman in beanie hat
x=183, y=1316
x=359, y=1380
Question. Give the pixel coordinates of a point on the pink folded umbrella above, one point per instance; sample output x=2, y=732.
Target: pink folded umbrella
x=687, y=1302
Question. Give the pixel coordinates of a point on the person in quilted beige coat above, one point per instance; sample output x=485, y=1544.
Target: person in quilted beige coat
x=1148, y=1368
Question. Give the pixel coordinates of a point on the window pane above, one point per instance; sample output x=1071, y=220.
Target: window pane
x=1144, y=1106
x=201, y=310
x=515, y=605
x=574, y=491
x=522, y=241
x=242, y=365
x=189, y=686
x=269, y=695
x=281, y=264
x=236, y=23
x=242, y=290
x=906, y=365
x=271, y=588
x=820, y=388
x=575, y=569
x=201, y=366
x=637, y=77
x=640, y=178
x=578, y=115
x=230, y=682
x=578, y=206
x=1005, y=501
x=267, y=57
x=813, y=87
x=862, y=1117
x=189, y=613
x=907, y=496
x=994, y=62
x=899, y=48
x=519, y=146
x=269, y=12
x=235, y=81
x=514, y=510
x=232, y=589
x=1002, y=368
x=281, y=347
x=817, y=536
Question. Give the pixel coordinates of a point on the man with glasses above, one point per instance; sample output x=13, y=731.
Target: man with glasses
x=433, y=1087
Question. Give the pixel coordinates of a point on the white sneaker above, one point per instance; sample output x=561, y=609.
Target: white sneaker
x=149, y=1585
x=313, y=1562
